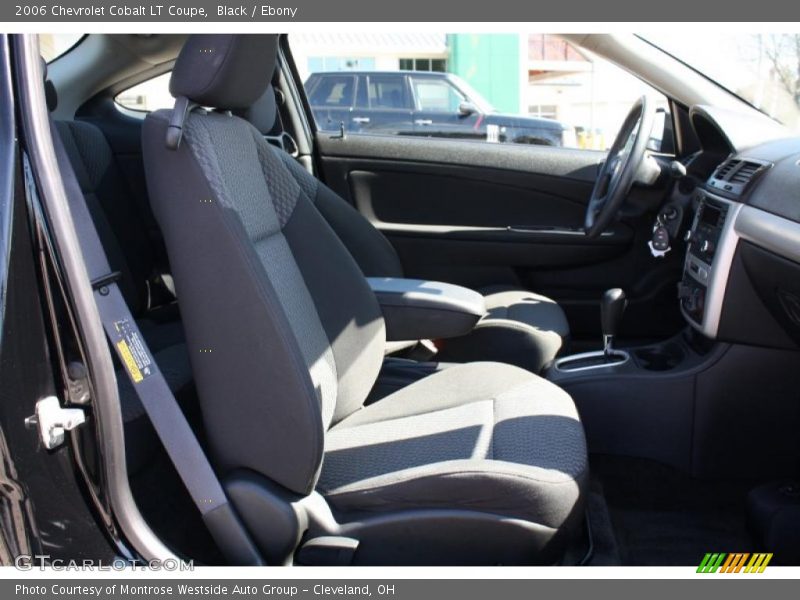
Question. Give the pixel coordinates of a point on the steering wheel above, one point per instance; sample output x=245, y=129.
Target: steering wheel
x=620, y=167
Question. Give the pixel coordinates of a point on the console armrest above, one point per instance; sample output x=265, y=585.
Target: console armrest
x=415, y=309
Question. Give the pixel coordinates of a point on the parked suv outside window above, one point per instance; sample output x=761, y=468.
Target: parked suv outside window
x=423, y=104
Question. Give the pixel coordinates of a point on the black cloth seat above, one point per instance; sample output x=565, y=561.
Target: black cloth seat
x=480, y=462
x=521, y=328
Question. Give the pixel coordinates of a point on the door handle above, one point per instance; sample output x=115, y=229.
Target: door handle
x=360, y=119
x=423, y=122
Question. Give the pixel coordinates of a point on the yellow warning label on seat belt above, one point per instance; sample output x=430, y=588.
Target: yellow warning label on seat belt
x=132, y=351
x=130, y=363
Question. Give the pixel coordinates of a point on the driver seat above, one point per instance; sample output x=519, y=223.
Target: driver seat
x=520, y=328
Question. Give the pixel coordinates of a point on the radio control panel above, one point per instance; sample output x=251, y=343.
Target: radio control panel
x=710, y=245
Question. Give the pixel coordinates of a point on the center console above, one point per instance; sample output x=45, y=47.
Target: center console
x=729, y=380
x=711, y=243
x=638, y=400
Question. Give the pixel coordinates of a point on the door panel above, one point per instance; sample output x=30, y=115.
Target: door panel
x=425, y=209
x=425, y=194
x=580, y=165
x=481, y=214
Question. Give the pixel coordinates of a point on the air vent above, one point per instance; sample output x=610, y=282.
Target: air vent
x=734, y=175
x=725, y=169
x=744, y=173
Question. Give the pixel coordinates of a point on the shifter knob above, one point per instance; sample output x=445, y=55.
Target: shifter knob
x=612, y=307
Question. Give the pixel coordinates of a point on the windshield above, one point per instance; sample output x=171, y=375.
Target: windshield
x=763, y=69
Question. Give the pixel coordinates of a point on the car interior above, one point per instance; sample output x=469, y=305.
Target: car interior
x=407, y=350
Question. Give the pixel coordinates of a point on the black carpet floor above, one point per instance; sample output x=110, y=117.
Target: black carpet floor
x=169, y=510
x=662, y=517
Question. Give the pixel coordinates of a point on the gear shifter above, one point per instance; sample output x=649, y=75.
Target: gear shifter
x=612, y=308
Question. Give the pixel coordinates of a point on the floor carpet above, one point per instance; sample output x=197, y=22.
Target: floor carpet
x=660, y=516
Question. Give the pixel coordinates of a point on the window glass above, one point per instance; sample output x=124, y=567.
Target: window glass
x=548, y=111
x=423, y=64
x=53, y=45
x=762, y=68
x=530, y=88
x=387, y=92
x=436, y=95
x=332, y=90
x=147, y=96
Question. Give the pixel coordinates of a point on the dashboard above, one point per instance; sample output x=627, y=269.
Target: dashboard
x=741, y=278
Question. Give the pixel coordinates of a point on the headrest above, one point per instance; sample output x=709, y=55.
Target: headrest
x=263, y=113
x=224, y=71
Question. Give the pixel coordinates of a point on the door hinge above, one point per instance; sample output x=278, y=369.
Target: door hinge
x=54, y=421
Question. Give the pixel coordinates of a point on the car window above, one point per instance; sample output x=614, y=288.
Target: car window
x=439, y=96
x=494, y=88
x=332, y=91
x=147, y=96
x=386, y=92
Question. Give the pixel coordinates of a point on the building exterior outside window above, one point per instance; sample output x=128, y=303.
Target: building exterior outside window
x=438, y=65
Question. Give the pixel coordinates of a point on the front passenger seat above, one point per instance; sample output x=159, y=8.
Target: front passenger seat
x=521, y=328
x=480, y=463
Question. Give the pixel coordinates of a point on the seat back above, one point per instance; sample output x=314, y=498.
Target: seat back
x=371, y=250
x=113, y=210
x=285, y=334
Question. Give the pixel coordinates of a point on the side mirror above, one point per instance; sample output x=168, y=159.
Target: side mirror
x=465, y=109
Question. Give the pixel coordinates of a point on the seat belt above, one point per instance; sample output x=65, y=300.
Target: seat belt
x=159, y=403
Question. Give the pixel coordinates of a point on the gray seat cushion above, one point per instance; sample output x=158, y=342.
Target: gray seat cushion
x=485, y=437
x=521, y=328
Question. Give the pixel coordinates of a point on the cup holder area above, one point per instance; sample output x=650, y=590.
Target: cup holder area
x=659, y=358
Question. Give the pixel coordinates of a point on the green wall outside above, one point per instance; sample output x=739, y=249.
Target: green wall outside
x=491, y=64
